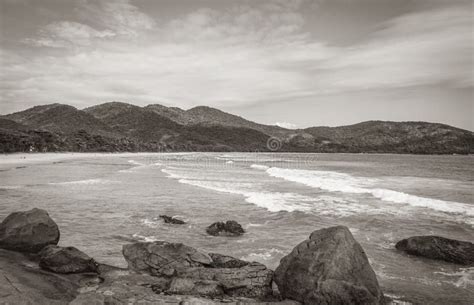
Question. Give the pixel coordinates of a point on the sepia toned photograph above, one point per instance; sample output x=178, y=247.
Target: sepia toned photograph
x=241, y=152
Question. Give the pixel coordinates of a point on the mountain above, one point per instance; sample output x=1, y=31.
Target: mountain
x=204, y=115
x=396, y=137
x=60, y=118
x=115, y=127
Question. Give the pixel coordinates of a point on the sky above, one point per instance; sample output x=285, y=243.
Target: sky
x=295, y=63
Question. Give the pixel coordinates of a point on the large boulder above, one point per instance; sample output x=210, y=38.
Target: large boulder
x=28, y=231
x=328, y=268
x=66, y=260
x=440, y=248
x=228, y=228
x=193, y=272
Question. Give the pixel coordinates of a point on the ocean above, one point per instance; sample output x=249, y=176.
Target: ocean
x=102, y=201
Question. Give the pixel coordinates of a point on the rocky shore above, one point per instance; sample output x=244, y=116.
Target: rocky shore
x=330, y=267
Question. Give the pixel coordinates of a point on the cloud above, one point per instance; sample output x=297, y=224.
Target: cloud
x=65, y=34
x=242, y=54
x=286, y=125
x=119, y=16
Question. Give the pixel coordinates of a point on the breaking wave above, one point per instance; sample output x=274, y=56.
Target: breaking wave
x=345, y=183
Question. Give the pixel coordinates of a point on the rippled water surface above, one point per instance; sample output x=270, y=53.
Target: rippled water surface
x=102, y=201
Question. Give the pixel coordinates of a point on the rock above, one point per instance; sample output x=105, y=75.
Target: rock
x=163, y=258
x=252, y=281
x=28, y=231
x=172, y=220
x=328, y=268
x=225, y=261
x=22, y=282
x=440, y=248
x=229, y=228
x=66, y=260
x=192, y=287
x=204, y=274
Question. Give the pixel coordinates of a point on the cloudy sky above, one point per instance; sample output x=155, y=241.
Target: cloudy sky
x=296, y=62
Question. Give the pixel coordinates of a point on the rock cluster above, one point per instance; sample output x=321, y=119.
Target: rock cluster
x=193, y=272
x=330, y=267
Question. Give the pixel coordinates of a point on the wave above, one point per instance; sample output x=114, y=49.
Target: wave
x=84, y=182
x=10, y=187
x=345, y=183
x=258, y=166
x=272, y=201
x=138, y=165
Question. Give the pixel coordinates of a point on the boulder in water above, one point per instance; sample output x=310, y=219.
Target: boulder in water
x=440, y=248
x=228, y=228
x=66, y=260
x=172, y=220
x=328, y=268
x=28, y=231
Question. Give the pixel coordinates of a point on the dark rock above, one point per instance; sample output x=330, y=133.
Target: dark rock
x=204, y=274
x=253, y=280
x=163, y=258
x=440, y=248
x=328, y=268
x=195, y=287
x=28, y=231
x=172, y=220
x=66, y=260
x=22, y=282
x=229, y=228
x=225, y=261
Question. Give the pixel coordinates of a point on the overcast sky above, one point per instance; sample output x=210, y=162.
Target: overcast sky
x=296, y=62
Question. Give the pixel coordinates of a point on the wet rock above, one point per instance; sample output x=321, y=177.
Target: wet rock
x=225, y=261
x=189, y=286
x=440, y=248
x=172, y=220
x=28, y=231
x=229, y=228
x=163, y=258
x=328, y=268
x=204, y=274
x=22, y=282
x=66, y=260
x=253, y=280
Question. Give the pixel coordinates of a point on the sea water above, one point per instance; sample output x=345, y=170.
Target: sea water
x=102, y=201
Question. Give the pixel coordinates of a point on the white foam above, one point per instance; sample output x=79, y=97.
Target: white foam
x=259, y=166
x=341, y=182
x=465, y=277
x=272, y=201
x=150, y=223
x=229, y=162
x=135, y=162
x=84, y=182
x=137, y=166
x=145, y=238
x=263, y=255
